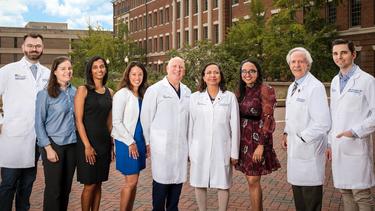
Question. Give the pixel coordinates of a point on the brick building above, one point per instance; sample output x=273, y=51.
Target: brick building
x=160, y=25
x=57, y=41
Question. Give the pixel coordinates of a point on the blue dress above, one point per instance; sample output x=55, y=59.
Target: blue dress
x=126, y=164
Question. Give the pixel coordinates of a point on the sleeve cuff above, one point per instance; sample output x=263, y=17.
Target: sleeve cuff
x=43, y=143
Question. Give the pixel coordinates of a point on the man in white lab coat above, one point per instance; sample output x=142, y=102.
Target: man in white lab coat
x=307, y=122
x=164, y=117
x=19, y=83
x=353, y=122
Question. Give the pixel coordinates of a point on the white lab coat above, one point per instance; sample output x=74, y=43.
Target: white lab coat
x=18, y=89
x=164, y=119
x=307, y=116
x=125, y=113
x=214, y=138
x=354, y=108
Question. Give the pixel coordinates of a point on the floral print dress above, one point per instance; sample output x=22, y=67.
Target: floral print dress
x=257, y=125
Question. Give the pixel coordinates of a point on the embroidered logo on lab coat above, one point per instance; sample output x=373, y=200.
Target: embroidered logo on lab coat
x=300, y=100
x=19, y=77
x=357, y=91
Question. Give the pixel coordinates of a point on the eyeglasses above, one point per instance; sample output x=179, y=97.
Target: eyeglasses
x=34, y=46
x=251, y=71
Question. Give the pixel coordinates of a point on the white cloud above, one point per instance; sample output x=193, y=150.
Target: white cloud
x=11, y=13
x=77, y=13
x=81, y=13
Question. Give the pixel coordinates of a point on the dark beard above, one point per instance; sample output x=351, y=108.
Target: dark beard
x=33, y=57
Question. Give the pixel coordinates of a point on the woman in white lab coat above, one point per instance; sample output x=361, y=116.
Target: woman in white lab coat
x=213, y=136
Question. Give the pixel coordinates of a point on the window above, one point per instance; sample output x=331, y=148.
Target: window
x=155, y=20
x=140, y=27
x=178, y=38
x=205, y=5
x=150, y=20
x=149, y=47
x=186, y=37
x=144, y=45
x=187, y=8
x=155, y=44
x=144, y=22
x=135, y=25
x=167, y=15
x=161, y=17
x=331, y=12
x=234, y=2
x=15, y=42
x=205, y=32
x=131, y=26
x=167, y=42
x=195, y=35
x=178, y=9
x=195, y=7
x=355, y=8
x=161, y=44
x=215, y=3
x=216, y=33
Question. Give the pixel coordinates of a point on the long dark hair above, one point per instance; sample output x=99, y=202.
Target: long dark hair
x=53, y=87
x=242, y=85
x=202, y=85
x=90, y=84
x=125, y=81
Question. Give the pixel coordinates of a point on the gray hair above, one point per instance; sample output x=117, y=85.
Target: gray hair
x=176, y=58
x=302, y=50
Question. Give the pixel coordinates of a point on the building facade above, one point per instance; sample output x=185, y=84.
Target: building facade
x=160, y=25
x=57, y=41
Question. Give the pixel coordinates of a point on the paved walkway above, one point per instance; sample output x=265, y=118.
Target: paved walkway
x=276, y=191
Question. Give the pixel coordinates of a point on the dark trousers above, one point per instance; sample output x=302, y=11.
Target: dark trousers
x=58, y=177
x=165, y=196
x=17, y=182
x=308, y=198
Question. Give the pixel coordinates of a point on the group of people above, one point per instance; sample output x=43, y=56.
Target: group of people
x=213, y=129
x=341, y=133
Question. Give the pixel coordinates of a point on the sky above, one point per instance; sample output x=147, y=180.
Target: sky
x=78, y=14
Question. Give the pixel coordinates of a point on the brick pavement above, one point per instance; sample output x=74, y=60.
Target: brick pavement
x=277, y=194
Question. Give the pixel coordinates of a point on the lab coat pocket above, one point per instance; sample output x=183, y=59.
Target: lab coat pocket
x=158, y=141
x=17, y=127
x=223, y=110
x=353, y=147
x=302, y=150
x=354, y=104
x=193, y=151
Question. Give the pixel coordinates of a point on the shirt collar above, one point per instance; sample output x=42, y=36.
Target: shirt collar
x=300, y=80
x=29, y=63
x=349, y=74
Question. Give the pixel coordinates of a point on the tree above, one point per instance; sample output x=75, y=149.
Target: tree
x=204, y=52
x=270, y=40
x=113, y=48
x=245, y=39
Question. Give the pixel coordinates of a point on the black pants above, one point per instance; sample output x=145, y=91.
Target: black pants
x=308, y=198
x=58, y=177
x=17, y=182
x=165, y=196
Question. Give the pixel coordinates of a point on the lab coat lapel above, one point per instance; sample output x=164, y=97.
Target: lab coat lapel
x=218, y=97
x=350, y=83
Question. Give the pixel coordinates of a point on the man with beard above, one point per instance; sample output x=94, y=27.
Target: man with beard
x=19, y=83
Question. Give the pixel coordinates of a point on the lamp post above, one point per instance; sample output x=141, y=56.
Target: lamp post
x=126, y=60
